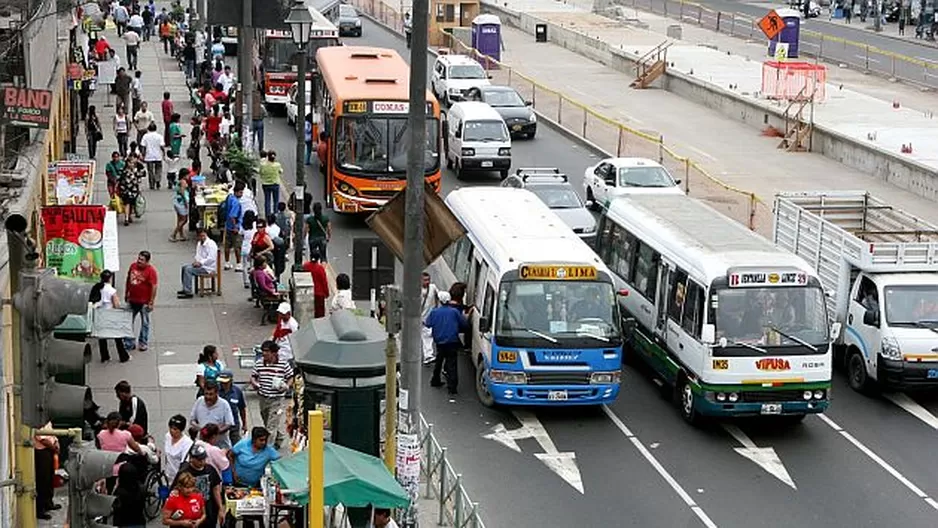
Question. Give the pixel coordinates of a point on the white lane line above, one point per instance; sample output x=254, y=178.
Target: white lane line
x=702, y=153
x=913, y=408
x=864, y=57
x=698, y=511
x=879, y=461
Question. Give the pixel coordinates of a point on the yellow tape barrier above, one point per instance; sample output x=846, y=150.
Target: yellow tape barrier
x=608, y=134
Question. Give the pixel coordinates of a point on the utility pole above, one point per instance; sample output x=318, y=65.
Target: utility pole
x=414, y=220
x=300, y=187
x=877, y=13
x=246, y=72
x=392, y=323
x=23, y=255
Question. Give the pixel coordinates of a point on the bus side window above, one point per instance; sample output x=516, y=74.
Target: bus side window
x=646, y=270
x=488, y=303
x=471, y=289
x=677, y=295
x=463, y=260
x=478, y=286
x=693, y=309
x=450, y=254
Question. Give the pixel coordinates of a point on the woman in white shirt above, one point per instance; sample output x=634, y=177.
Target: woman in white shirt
x=176, y=446
x=121, y=129
x=104, y=297
x=248, y=229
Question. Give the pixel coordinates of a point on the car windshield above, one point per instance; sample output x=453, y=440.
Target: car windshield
x=786, y=317
x=485, y=131
x=912, y=305
x=557, y=197
x=347, y=11
x=377, y=145
x=557, y=310
x=503, y=98
x=466, y=71
x=644, y=177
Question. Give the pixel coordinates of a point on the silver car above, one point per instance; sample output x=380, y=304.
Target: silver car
x=349, y=21
x=552, y=187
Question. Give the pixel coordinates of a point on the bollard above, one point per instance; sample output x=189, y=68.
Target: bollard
x=533, y=95
x=700, y=14
x=687, y=175
x=619, y=144
x=442, y=496
x=752, y=212
x=560, y=110
x=680, y=12
x=660, y=149
x=867, y=58
x=893, y=66
x=719, y=16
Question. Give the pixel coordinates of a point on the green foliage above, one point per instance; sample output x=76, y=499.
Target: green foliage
x=244, y=165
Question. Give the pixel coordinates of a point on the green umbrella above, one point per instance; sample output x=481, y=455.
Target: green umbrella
x=352, y=478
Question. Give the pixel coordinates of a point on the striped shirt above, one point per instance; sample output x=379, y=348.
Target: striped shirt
x=266, y=375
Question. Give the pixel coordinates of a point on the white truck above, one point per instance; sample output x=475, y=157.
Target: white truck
x=878, y=266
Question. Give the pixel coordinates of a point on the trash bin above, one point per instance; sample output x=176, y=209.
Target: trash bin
x=675, y=31
x=540, y=32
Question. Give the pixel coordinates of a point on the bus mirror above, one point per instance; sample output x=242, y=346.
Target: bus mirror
x=835, y=331
x=708, y=334
x=484, y=324
x=624, y=292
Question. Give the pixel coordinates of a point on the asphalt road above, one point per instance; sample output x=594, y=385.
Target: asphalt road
x=867, y=463
x=830, y=51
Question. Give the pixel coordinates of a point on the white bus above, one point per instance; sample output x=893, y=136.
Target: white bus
x=546, y=331
x=734, y=325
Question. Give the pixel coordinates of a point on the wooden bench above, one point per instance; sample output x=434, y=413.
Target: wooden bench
x=210, y=284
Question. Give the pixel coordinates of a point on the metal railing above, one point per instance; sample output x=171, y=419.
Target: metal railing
x=824, y=47
x=443, y=484
x=608, y=134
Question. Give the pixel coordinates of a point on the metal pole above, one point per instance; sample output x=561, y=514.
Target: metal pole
x=411, y=370
x=314, y=430
x=390, y=409
x=22, y=255
x=246, y=73
x=300, y=187
x=877, y=21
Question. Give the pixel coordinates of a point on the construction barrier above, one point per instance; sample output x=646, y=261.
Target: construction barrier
x=607, y=134
x=792, y=81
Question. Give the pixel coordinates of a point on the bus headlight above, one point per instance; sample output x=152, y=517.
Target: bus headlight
x=733, y=397
x=605, y=378
x=508, y=376
x=818, y=395
x=807, y=395
x=347, y=189
x=891, y=348
x=721, y=396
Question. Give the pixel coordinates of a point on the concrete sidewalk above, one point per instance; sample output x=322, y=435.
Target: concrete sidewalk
x=164, y=375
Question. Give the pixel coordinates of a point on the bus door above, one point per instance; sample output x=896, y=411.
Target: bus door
x=665, y=276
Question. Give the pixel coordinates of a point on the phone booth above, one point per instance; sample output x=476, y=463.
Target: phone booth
x=487, y=38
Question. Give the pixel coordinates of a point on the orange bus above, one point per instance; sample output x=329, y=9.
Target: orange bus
x=362, y=104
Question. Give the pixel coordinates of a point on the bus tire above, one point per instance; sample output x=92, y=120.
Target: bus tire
x=482, y=391
x=857, y=376
x=686, y=401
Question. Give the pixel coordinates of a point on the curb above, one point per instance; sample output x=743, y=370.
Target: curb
x=551, y=123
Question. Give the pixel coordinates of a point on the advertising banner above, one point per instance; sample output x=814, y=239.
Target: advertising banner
x=74, y=240
x=70, y=182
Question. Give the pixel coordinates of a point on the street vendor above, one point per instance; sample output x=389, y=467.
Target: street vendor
x=250, y=456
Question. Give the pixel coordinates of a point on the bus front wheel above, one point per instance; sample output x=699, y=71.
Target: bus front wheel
x=482, y=388
x=686, y=402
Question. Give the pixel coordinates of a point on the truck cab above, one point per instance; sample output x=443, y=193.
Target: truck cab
x=892, y=321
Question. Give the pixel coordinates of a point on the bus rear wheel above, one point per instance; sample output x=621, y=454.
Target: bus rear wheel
x=482, y=388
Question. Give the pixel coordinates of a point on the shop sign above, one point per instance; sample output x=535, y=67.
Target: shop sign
x=26, y=107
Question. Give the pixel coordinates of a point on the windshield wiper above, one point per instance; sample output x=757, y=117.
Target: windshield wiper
x=747, y=345
x=931, y=325
x=594, y=336
x=798, y=340
x=541, y=335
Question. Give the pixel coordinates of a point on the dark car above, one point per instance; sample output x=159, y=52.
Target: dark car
x=517, y=113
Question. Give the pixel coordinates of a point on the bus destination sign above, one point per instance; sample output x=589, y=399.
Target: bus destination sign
x=547, y=272
x=381, y=107
x=764, y=278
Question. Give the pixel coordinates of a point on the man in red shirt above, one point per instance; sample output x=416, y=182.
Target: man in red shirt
x=213, y=125
x=167, y=107
x=320, y=283
x=141, y=292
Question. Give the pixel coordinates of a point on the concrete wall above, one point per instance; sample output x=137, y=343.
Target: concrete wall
x=901, y=172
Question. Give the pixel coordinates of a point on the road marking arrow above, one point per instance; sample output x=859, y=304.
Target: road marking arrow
x=765, y=457
x=913, y=407
x=563, y=464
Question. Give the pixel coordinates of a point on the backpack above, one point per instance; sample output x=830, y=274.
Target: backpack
x=223, y=212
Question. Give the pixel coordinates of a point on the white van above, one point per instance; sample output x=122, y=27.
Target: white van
x=476, y=139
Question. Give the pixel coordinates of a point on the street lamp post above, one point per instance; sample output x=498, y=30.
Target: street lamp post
x=301, y=24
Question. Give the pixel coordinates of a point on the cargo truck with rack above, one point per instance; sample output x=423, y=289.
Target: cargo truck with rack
x=879, y=267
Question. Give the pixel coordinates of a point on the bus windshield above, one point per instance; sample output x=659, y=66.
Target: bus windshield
x=280, y=53
x=376, y=145
x=793, y=319
x=541, y=313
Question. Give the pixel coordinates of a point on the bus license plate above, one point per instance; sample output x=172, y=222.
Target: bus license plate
x=771, y=408
x=932, y=374
x=486, y=164
x=560, y=395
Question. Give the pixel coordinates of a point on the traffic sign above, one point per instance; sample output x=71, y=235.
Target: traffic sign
x=771, y=24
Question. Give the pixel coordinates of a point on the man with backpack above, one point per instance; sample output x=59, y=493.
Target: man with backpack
x=230, y=213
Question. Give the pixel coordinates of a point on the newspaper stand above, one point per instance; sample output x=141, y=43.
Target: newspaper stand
x=793, y=81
